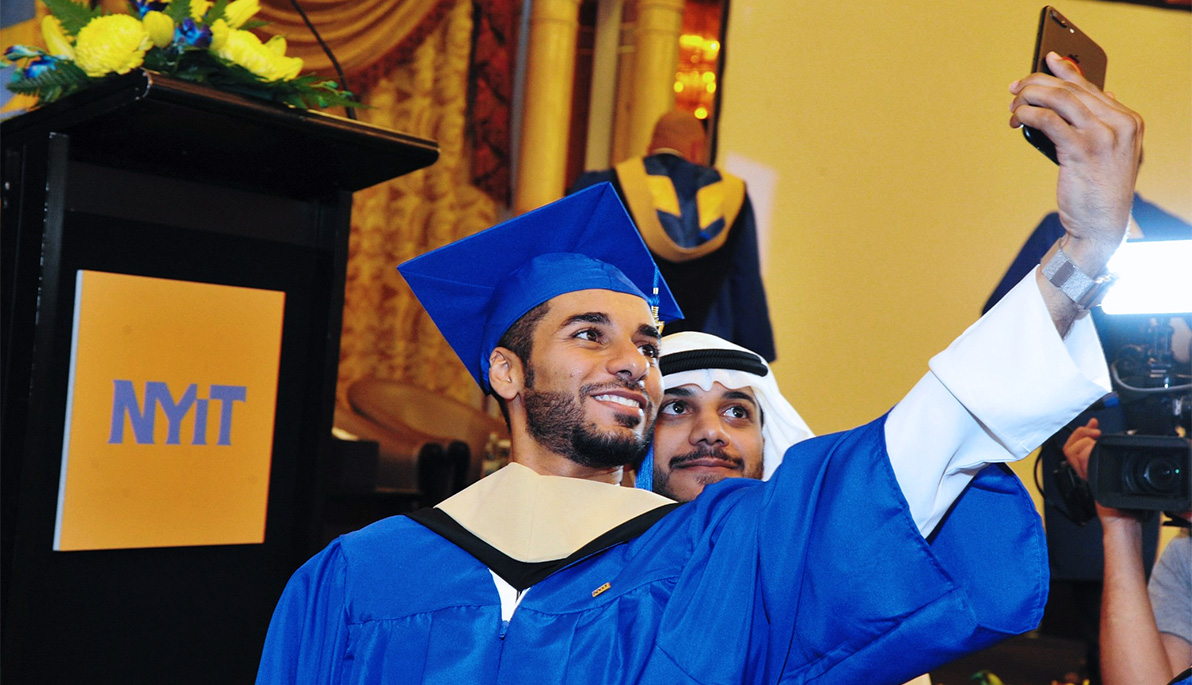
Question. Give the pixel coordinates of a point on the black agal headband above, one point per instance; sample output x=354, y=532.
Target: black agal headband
x=733, y=360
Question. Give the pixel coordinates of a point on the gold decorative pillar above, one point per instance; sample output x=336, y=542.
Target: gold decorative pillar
x=656, y=58
x=546, y=117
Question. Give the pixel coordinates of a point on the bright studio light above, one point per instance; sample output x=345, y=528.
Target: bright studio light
x=1154, y=277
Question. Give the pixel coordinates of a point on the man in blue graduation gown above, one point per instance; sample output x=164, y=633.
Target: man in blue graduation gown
x=870, y=555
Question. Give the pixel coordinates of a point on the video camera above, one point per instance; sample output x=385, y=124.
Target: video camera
x=1142, y=472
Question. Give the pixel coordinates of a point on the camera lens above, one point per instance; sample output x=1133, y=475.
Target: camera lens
x=1159, y=476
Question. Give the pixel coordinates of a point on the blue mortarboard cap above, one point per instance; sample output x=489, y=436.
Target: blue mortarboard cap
x=476, y=288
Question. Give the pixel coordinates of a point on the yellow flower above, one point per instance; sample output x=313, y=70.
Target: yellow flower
x=56, y=41
x=160, y=28
x=198, y=8
x=245, y=49
x=240, y=11
x=277, y=44
x=114, y=43
x=219, y=36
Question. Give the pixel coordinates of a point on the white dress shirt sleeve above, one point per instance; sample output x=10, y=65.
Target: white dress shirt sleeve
x=995, y=394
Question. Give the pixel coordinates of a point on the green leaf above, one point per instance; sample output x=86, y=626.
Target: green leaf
x=163, y=60
x=23, y=86
x=72, y=73
x=253, y=24
x=178, y=10
x=216, y=12
x=72, y=15
x=303, y=81
x=61, y=79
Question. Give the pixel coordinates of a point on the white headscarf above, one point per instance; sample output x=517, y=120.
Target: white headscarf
x=696, y=358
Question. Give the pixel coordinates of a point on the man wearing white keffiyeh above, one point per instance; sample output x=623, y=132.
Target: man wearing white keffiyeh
x=722, y=417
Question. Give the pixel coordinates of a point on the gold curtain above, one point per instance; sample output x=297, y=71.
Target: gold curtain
x=386, y=333
x=368, y=37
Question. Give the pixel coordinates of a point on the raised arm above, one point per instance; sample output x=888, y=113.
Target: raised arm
x=1009, y=382
x=1099, y=144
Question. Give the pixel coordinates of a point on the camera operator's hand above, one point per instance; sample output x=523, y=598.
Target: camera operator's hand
x=1098, y=144
x=1077, y=450
x=1079, y=447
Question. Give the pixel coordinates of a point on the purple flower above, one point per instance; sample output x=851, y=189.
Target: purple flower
x=37, y=67
x=192, y=34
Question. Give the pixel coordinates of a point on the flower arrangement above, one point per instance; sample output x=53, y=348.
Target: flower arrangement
x=193, y=40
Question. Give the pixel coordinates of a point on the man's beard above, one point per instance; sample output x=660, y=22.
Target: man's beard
x=662, y=476
x=556, y=421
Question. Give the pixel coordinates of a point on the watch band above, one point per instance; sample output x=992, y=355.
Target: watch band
x=1085, y=291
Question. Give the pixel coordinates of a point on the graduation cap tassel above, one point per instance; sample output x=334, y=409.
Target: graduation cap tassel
x=654, y=299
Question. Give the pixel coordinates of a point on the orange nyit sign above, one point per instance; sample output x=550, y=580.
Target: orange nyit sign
x=170, y=413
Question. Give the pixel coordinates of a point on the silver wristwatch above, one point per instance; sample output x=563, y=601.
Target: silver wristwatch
x=1082, y=289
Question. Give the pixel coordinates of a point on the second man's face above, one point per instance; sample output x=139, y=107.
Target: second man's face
x=703, y=437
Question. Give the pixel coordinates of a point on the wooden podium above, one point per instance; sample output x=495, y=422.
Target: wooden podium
x=150, y=176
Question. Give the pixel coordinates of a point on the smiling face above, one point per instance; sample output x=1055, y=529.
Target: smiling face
x=592, y=385
x=703, y=437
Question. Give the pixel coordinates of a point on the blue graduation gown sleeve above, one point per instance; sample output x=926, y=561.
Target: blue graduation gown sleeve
x=308, y=634
x=820, y=575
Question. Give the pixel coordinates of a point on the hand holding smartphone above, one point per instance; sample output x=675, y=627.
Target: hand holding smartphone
x=1057, y=34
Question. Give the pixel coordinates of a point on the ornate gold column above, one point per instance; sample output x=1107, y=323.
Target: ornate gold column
x=546, y=118
x=659, y=23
